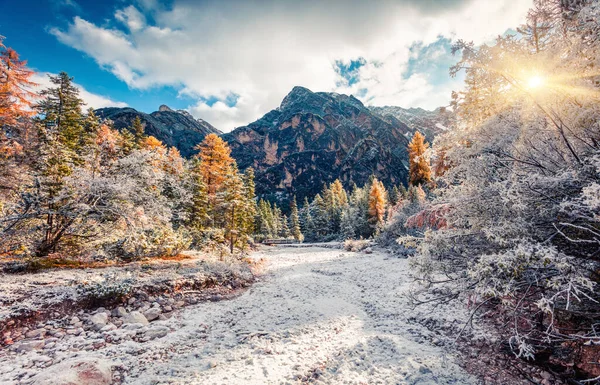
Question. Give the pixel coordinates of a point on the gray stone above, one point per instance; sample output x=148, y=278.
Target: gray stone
x=27, y=346
x=99, y=320
x=108, y=328
x=135, y=317
x=120, y=312
x=156, y=332
x=35, y=333
x=152, y=313
x=82, y=371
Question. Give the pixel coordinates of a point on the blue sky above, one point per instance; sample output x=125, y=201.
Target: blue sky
x=230, y=61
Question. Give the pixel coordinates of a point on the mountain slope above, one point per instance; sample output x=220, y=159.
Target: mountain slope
x=174, y=128
x=316, y=137
x=429, y=123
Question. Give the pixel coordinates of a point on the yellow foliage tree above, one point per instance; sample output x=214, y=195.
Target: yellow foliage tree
x=419, y=169
x=216, y=166
x=377, y=203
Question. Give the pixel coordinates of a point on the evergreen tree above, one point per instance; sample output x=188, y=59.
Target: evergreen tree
x=137, y=129
x=320, y=218
x=233, y=203
x=285, y=228
x=394, y=196
x=306, y=220
x=419, y=170
x=61, y=145
x=61, y=109
x=198, y=216
x=295, y=221
x=250, y=209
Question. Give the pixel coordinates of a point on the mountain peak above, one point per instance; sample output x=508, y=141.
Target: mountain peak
x=164, y=108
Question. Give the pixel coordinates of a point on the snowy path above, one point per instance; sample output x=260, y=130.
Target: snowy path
x=318, y=316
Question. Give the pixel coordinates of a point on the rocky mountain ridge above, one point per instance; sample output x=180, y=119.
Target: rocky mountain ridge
x=174, y=128
x=313, y=138
x=429, y=123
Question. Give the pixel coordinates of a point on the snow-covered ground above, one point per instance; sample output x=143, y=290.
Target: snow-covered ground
x=318, y=315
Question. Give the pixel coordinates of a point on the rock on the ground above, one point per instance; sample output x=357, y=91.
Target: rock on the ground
x=27, y=346
x=135, y=317
x=35, y=333
x=89, y=371
x=120, y=312
x=99, y=320
x=152, y=313
x=156, y=332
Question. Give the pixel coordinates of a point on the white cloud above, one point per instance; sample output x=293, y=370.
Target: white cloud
x=89, y=98
x=260, y=49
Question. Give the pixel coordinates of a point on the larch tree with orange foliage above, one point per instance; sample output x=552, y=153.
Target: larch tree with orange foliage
x=377, y=205
x=16, y=86
x=216, y=166
x=419, y=169
x=15, y=136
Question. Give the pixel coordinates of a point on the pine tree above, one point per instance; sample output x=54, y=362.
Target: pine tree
x=62, y=142
x=295, y=221
x=198, y=216
x=233, y=206
x=249, y=209
x=419, y=170
x=394, y=195
x=61, y=109
x=416, y=194
x=320, y=217
x=137, y=129
x=285, y=228
x=377, y=205
x=306, y=220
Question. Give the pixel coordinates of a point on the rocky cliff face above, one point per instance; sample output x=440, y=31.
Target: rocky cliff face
x=174, y=128
x=429, y=123
x=316, y=137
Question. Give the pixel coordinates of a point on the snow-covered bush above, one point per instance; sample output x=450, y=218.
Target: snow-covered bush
x=356, y=244
x=521, y=193
x=109, y=287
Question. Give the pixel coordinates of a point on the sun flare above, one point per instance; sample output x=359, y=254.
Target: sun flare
x=535, y=81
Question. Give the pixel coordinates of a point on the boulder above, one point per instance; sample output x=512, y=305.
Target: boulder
x=135, y=317
x=120, y=312
x=27, y=346
x=89, y=371
x=152, y=313
x=156, y=332
x=35, y=333
x=99, y=320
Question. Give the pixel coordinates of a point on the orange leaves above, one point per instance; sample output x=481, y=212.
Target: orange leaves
x=15, y=87
x=432, y=217
x=216, y=162
x=419, y=170
x=377, y=203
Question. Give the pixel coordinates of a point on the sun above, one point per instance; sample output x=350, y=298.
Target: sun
x=535, y=81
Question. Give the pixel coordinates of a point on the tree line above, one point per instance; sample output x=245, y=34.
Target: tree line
x=70, y=184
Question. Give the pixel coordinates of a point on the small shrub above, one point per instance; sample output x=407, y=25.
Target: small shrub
x=108, y=289
x=356, y=244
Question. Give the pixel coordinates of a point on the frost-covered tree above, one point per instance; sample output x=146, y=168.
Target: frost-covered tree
x=521, y=186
